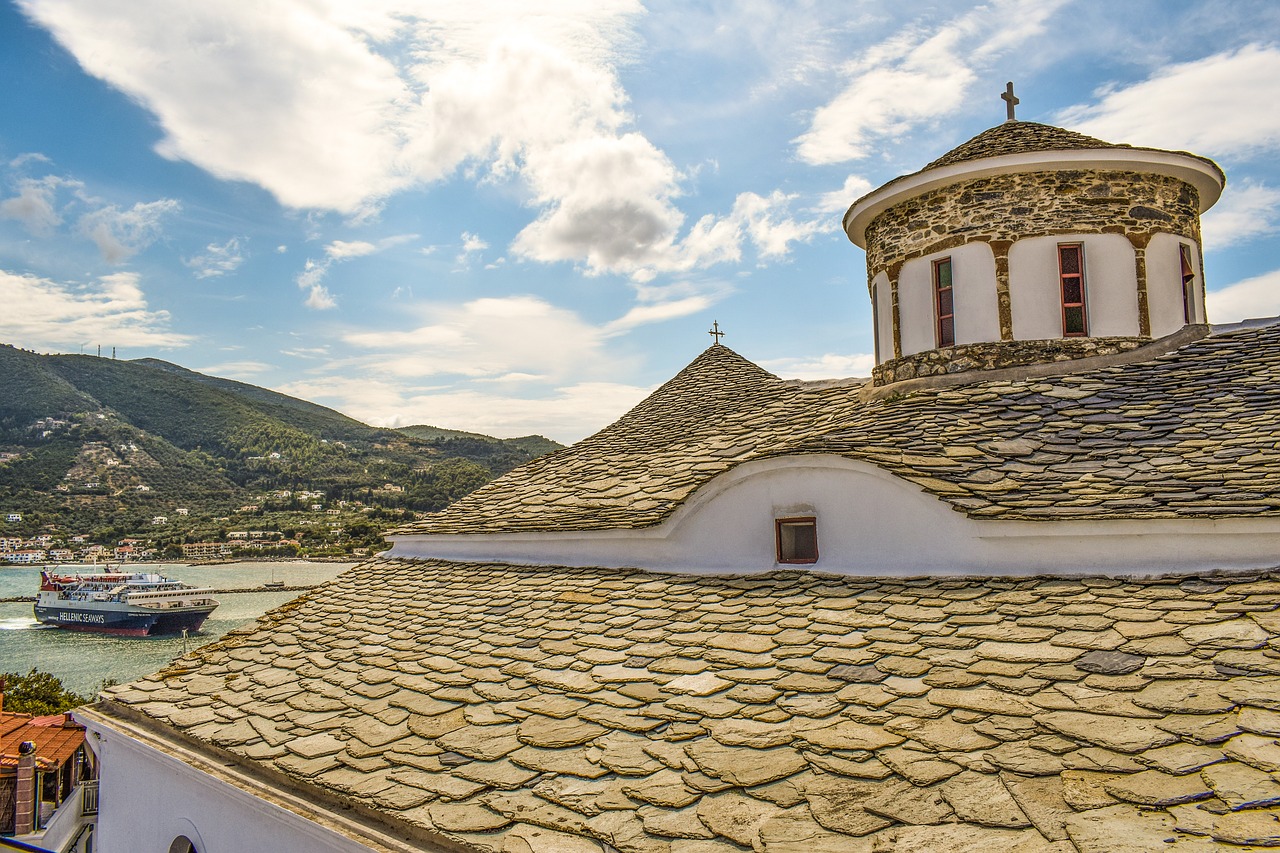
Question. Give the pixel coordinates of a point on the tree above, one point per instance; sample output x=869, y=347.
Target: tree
x=37, y=693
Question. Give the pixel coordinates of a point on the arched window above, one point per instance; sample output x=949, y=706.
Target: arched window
x=182, y=844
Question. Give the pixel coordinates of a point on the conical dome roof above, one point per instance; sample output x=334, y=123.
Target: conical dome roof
x=1018, y=137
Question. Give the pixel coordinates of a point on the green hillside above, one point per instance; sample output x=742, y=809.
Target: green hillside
x=87, y=441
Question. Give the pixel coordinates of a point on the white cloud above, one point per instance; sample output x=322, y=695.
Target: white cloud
x=838, y=201
x=236, y=369
x=1245, y=211
x=568, y=413
x=828, y=366
x=34, y=205
x=121, y=234
x=659, y=312
x=472, y=245
x=486, y=338
x=218, y=259
x=1218, y=106
x=341, y=250
x=53, y=315
x=280, y=250
x=338, y=251
x=29, y=157
x=330, y=106
x=1245, y=300
x=917, y=77
x=319, y=298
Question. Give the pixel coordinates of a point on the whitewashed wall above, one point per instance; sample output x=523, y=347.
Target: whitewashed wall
x=915, y=307
x=884, y=318
x=149, y=797
x=1111, y=286
x=973, y=278
x=870, y=522
x=1164, y=285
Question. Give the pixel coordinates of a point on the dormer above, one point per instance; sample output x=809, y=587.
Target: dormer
x=1029, y=244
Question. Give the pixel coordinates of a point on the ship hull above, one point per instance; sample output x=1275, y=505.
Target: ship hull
x=127, y=622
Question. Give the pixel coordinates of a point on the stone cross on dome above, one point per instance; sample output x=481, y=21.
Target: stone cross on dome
x=1010, y=100
x=715, y=332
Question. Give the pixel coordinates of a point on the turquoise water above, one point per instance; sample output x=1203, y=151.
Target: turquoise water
x=83, y=660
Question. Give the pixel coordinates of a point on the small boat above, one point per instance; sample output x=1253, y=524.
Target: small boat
x=134, y=605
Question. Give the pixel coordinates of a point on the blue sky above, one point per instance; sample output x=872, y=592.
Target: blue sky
x=478, y=216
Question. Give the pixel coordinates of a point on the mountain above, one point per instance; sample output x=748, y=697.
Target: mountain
x=86, y=440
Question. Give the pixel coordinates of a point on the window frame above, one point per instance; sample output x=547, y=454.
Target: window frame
x=1187, y=270
x=1063, y=279
x=944, y=332
x=779, y=523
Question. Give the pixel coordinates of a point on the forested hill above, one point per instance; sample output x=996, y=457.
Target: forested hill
x=91, y=437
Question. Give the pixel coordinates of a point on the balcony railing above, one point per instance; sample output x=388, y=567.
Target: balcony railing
x=89, y=797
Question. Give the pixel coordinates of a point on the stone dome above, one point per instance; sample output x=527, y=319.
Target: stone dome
x=1032, y=243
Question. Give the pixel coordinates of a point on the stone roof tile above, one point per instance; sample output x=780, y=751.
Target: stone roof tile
x=1002, y=737
x=1034, y=449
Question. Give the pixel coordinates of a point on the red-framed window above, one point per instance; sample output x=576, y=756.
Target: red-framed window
x=1188, y=283
x=944, y=302
x=1075, y=323
x=797, y=539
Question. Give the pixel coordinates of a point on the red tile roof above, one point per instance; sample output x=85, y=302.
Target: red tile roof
x=56, y=739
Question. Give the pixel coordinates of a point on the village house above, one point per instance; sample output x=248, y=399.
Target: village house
x=45, y=776
x=1016, y=592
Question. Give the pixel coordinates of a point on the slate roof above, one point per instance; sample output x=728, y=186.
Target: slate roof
x=560, y=710
x=1018, y=137
x=1024, y=137
x=1190, y=433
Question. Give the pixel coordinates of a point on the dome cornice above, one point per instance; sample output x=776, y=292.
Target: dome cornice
x=992, y=153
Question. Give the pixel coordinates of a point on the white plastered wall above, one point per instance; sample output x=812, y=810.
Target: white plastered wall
x=873, y=523
x=1111, y=286
x=1164, y=284
x=973, y=283
x=883, y=318
x=150, y=796
x=915, y=306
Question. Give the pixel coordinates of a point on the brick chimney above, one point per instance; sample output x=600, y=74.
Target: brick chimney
x=24, y=818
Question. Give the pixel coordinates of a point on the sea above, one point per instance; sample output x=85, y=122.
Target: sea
x=84, y=660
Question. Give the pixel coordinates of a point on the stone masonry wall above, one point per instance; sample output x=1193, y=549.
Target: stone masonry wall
x=993, y=355
x=1032, y=204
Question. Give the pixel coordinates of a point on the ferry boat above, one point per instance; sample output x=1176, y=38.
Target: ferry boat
x=132, y=605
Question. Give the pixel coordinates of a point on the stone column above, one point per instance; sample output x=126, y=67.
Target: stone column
x=1140, y=242
x=24, y=816
x=1004, y=305
x=893, y=271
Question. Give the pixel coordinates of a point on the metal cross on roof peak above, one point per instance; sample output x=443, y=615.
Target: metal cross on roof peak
x=715, y=332
x=1010, y=100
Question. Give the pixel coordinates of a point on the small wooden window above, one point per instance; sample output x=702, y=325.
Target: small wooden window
x=1071, y=274
x=944, y=302
x=1188, y=283
x=797, y=539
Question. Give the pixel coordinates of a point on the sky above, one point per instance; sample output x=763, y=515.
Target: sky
x=514, y=218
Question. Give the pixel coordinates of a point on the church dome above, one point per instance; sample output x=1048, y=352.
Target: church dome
x=1032, y=243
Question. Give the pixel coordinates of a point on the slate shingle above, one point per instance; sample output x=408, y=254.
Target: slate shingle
x=1187, y=434
x=755, y=712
